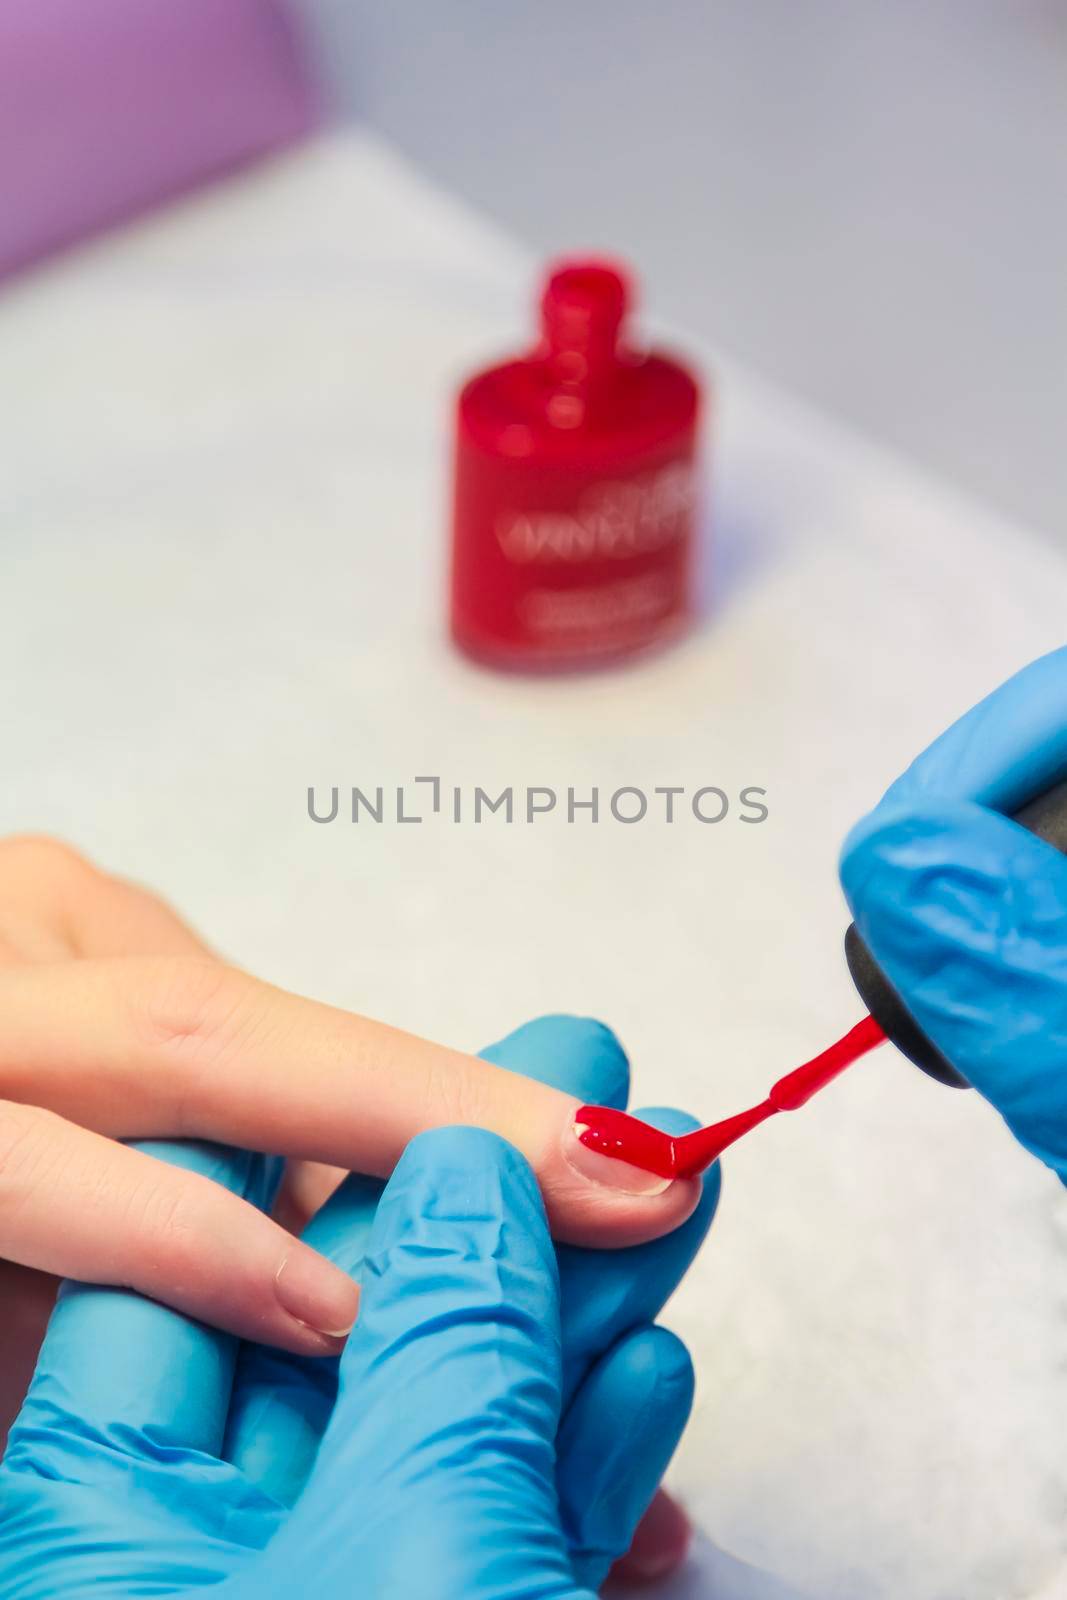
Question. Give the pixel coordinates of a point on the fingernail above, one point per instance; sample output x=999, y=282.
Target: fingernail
x=317, y=1293
x=605, y=1170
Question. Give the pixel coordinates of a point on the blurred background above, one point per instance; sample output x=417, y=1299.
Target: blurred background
x=226, y=410
x=863, y=200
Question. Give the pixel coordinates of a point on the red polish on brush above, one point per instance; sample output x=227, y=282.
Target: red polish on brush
x=615, y=1133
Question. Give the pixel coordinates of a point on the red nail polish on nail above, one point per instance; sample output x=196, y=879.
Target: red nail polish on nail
x=618, y=1136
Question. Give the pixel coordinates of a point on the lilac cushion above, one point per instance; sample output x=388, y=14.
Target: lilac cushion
x=107, y=106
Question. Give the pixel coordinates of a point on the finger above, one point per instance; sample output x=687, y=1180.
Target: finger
x=1008, y=748
x=123, y=919
x=575, y=1054
x=460, y=1318
x=616, y=1443
x=81, y=1206
x=120, y=1375
x=20, y=944
x=605, y=1293
x=305, y=1188
x=57, y=904
x=967, y=913
x=282, y=1402
x=149, y=1048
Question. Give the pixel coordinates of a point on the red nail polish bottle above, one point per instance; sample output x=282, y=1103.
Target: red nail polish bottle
x=575, y=489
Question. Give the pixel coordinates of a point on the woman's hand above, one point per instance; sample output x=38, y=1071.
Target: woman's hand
x=119, y=1024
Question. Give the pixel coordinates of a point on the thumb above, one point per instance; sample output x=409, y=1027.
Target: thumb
x=967, y=913
x=445, y=1426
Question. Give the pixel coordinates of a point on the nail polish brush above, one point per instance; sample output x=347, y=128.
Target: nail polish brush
x=615, y=1133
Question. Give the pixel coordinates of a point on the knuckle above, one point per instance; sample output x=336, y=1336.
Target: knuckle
x=197, y=1015
x=27, y=1142
x=189, y=1000
x=165, y=1220
x=45, y=856
x=461, y=1089
x=149, y=902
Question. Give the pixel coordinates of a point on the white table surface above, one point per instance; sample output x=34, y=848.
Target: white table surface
x=222, y=513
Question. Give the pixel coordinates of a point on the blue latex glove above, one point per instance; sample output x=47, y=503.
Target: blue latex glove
x=501, y=1414
x=967, y=912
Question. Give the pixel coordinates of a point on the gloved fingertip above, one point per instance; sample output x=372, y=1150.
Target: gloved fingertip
x=887, y=844
x=855, y=858
x=966, y=913
x=661, y=1365
x=950, y=876
x=458, y=1148
x=617, y=1440
x=463, y=1195
x=579, y=1055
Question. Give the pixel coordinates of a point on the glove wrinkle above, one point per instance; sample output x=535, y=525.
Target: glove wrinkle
x=967, y=914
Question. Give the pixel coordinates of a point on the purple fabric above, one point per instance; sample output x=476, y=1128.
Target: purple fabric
x=107, y=106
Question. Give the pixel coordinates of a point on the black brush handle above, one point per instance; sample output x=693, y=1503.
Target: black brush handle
x=1047, y=817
